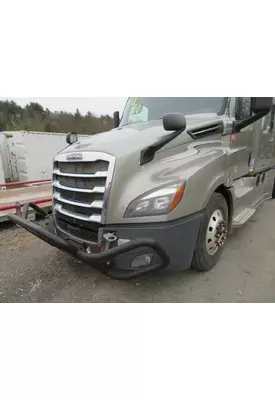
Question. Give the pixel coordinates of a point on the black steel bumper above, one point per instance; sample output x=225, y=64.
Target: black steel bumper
x=100, y=261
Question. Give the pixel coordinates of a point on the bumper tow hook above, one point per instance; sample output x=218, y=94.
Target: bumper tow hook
x=109, y=239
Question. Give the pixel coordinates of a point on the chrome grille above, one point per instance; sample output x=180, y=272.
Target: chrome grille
x=79, y=189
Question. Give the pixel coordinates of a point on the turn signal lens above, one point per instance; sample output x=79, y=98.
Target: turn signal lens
x=177, y=197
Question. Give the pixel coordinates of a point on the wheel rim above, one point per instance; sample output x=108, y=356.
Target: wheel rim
x=216, y=232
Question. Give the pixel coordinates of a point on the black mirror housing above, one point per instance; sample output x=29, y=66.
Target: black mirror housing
x=116, y=119
x=174, y=122
x=262, y=104
x=72, y=138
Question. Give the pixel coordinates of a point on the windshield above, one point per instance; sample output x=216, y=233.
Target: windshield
x=144, y=109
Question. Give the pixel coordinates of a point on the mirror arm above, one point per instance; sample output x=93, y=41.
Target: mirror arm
x=238, y=126
x=147, y=155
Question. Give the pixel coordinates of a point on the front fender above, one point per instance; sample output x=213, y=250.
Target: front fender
x=216, y=183
x=206, y=178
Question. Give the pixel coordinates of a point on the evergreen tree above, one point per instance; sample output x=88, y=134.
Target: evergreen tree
x=33, y=117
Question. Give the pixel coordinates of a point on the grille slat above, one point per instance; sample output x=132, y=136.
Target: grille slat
x=79, y=197
x=81, y=183
x=83, y=217
x=95, y=204
x=83, y=167
x=89, y=226
x=67, y=224
x=77, y=210
x=98, y=174
x=96, y=189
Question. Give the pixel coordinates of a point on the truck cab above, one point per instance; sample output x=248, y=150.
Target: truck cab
x=163, y=189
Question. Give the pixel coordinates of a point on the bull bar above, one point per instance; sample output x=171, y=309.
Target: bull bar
x=100, y=261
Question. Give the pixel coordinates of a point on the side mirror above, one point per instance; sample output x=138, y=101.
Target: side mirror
x=262, y=104
x=116, y=119
x=72, y=138
x=174, y=122
x=243, y=108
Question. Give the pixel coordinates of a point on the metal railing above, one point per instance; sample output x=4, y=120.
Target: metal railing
x=17, y=206
x=14, y=184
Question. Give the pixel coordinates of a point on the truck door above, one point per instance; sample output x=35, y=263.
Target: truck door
x=242, y=142
x=265, y=156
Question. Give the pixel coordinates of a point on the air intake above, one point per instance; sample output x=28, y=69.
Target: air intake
x=206, y=130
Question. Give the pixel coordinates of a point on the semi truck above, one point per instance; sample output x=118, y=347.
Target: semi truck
x=163, y=190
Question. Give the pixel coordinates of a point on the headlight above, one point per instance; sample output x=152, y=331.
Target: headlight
x=159, y=202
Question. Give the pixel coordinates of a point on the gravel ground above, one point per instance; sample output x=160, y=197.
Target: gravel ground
x=32, y=271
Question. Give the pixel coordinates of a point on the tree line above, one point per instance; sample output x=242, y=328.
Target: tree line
x=33, y=117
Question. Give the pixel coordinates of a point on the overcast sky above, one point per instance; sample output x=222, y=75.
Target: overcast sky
x=97, y=105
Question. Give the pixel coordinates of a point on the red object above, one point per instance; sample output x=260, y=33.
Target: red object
x=23, y=183
x=233, y=137
x=13, y=205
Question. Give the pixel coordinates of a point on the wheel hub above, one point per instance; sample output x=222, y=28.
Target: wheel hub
x=216, y=232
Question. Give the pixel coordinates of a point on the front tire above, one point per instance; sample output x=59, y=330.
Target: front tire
x=212, y=234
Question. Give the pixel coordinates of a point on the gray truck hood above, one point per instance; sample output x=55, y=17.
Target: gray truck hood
x=128, y=140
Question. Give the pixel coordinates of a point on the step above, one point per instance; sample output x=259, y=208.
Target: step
x=241, y=218
x=242, y=191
